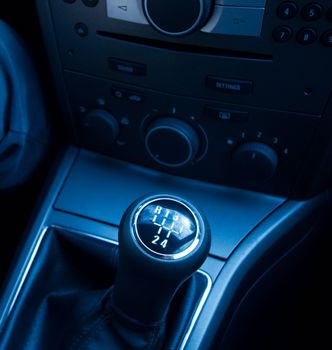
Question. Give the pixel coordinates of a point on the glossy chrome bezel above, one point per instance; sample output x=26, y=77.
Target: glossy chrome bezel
x=190, y=157
x=188, y=250
x=189, y=30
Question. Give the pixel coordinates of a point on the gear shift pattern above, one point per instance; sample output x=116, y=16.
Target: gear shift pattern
x=163, y=240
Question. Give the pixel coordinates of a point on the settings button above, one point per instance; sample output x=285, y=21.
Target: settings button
x=233, y=86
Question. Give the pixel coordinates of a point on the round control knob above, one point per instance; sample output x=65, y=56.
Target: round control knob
x=172, y=142
x=99, y=130
x=177, y=17
x=163, y=240
x=255, y=161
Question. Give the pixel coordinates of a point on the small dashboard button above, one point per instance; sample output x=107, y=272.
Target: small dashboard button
x=81, y=29
x=233, y=86
x=312, y=12
x=326, y=38
x=236, y=20
x=282, y=34
x=135, y=97
x=306, y=36
x=119, y=93
x=124, y=10
x=287, y=10
x=226, y=115
x=126, y=67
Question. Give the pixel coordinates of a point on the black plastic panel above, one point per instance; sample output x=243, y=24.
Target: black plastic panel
x=280, y=89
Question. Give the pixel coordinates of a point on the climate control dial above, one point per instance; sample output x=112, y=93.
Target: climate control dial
x=177, y=17
x=99, y=130
x=254, y=161
x=172, y=142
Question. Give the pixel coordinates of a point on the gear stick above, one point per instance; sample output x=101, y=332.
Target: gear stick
x=163, y=240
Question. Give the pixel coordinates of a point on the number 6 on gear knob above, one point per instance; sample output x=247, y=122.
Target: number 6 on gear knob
x=163, y=240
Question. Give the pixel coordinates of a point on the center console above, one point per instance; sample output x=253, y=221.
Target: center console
x=219, y=103
x=59, y=291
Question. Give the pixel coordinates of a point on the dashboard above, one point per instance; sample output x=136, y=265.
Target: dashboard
x=231, y=93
